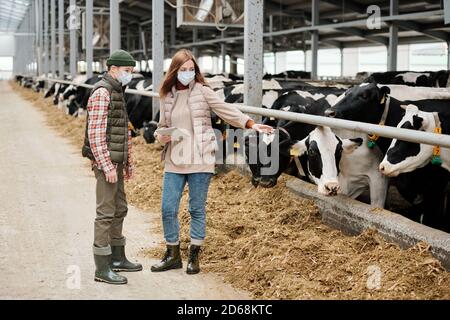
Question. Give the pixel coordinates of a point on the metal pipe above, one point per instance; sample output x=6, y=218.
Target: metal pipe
x=36, y=38
x=46, y=62
x=223, y=53
x=314, y=39
x=61, y=38
x=253, y=51
x=41, y=36
x=73, y=47
x=89, y=31
x=173, y=32
x=114, y=26
x=157, y=47
x=194, y=39
x=53, y=37
x=393, y=39
x=448, y=55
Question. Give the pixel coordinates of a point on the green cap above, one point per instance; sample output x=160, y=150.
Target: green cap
x=121, y=58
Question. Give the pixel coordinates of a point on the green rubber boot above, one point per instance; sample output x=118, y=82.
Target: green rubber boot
x=104, y=273
x=171, y=260
x=119, y=261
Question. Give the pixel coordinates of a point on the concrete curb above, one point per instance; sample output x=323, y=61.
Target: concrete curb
x=353, y=217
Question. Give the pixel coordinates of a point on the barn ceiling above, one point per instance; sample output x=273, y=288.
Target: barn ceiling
x=12, y=13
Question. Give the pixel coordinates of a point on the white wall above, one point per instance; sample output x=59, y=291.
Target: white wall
x=6, y=46
x=6, y=56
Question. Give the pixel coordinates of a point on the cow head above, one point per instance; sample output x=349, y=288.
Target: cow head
x=323, y=150
x=404, y=156
x=149, y=128
x=363, y=103
x=267, y=156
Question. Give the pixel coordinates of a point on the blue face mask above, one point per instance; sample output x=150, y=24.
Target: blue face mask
x=185, y=77
x=124, y=77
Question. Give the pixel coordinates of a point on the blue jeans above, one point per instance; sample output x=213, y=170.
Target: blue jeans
x=173, y=186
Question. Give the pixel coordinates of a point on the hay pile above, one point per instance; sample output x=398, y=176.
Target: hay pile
x=272, y=243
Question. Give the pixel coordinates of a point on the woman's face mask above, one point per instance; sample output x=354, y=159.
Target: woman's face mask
x=124, y=77
x=185, y=77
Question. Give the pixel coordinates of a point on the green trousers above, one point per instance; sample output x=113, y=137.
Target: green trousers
x=111, y=210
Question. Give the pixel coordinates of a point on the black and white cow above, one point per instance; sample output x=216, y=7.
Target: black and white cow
x=55, y=91
x=77, y=106
x=139, y=107
x=403, y=156
x=289, y=74
x=149, y=128
x=302, y=97
x=367, y=103
x=321, y=157
x=412, y=78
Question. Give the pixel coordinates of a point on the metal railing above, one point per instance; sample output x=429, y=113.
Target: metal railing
x=442, y=140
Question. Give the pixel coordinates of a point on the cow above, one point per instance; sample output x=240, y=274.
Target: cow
x=403, y=156
x=302, y=97
x=412, y=78
x=55, y=91
x=149, y=128
x=373, y=104
x=80, y=96
x=321, y=157
x=139, y=107
x=289, y=74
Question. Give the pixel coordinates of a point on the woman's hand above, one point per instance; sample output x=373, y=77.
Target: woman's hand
x=263, y=128
x=163, y=138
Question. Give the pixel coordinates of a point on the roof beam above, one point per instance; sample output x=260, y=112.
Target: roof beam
x=349, y=4
x=414, y=26
x=351, y=31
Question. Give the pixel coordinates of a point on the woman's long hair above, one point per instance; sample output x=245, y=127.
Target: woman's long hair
x=179, y=58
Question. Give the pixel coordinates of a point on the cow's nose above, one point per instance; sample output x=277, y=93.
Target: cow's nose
x=382, y=168
x=330, y=113
x=332, y=188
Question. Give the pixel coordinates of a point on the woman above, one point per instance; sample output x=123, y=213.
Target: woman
x=186, y=104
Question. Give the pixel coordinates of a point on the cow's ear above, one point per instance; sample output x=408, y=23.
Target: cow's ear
x=298, y=148
x=350, y=145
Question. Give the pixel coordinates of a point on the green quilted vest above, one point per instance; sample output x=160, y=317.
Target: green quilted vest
x=117, y=125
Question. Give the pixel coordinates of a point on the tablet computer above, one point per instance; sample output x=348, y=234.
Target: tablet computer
x=166, y=131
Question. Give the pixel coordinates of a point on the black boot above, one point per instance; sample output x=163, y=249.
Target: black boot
x=193, y=266
x=103, y=272
x=171, y=260
x=119, y=261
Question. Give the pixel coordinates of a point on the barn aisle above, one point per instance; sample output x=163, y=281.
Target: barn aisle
x=47, y=209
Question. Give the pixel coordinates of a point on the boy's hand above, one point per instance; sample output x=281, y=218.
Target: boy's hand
x=111, y=176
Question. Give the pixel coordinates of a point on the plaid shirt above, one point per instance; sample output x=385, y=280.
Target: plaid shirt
x=98, y=112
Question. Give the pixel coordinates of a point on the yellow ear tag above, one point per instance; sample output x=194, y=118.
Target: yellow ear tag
x=272, y=118
x=438, y=130
x=218, y=121
x=383, y=99
x=294, y=152
x=130, y=126
x=236, y=145
x=436, y=151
